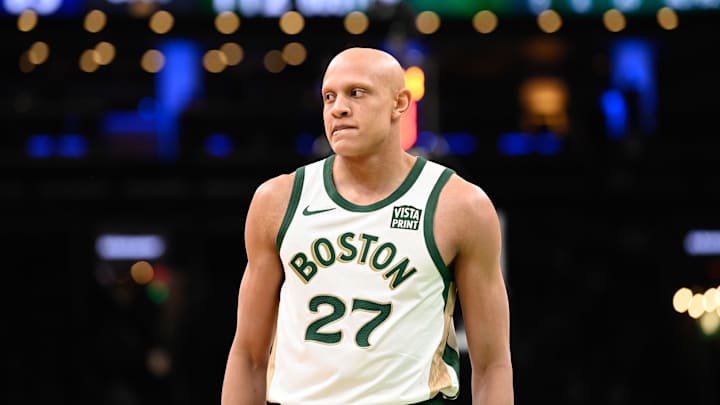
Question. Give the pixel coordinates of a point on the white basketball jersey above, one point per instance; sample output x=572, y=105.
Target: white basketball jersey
x=365, y=313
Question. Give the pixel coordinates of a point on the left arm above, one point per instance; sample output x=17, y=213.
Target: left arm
x=468, y=214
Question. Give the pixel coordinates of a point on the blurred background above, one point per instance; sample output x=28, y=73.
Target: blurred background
x=135, y=132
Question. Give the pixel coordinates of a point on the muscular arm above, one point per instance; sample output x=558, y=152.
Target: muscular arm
x=468, y=214
x=245, y=373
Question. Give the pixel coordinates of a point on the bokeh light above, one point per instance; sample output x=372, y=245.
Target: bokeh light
x=227, y=22
x=161, y=22
x=274, y=61
x=292, y=23
x=485, y=21
x=427, y=22
x=27, y=20
x=696, y=309
x=710, y=323
x=415, y=82
x=152, y=61
x=549, y=21
x=105, y=52
x=88, y=62
x=24, y=63
x=159, y=362
x=142, y=272
x=234, y=53
x=214, y=61
x=294, y=53
x=614, y=20
x=667, y=18
x=94, y=21
x=141, y=9
x=38, y=52
x=710, y=299
x=158, y=291
x=681, y=299
x=356, y=22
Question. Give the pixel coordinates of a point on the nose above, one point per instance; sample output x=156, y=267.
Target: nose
x=340, y=108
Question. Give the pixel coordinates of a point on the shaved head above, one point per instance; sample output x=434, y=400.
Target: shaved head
x=377, y=64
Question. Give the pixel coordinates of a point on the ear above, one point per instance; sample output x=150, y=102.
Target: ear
x=402, y=102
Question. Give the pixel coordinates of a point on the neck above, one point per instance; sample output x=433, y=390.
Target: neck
x=364, y=180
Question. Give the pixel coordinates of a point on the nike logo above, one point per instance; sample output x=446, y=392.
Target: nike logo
x=307, y=212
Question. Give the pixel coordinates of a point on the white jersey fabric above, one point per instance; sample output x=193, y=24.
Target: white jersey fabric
x=365, y=314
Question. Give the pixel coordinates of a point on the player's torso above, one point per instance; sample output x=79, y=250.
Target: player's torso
x=364, y=314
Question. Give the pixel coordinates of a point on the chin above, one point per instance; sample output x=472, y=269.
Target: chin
x=345, y=149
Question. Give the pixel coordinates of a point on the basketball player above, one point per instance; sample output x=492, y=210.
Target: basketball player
x=354, y=262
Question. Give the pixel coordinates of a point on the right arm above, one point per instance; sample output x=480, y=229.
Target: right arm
x=245, y=373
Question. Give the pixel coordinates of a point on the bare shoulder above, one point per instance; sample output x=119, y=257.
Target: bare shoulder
x=269, y=203
x=465, y=218
x=462, y=200
x=275, y=191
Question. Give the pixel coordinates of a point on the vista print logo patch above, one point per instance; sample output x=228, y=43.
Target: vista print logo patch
x=405, y=217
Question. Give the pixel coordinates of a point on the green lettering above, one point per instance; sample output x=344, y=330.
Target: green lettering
x=350, y=251
x=329, y=251
x=303, y=267
x=367, y=241
x=398, y=273
x=376, y=263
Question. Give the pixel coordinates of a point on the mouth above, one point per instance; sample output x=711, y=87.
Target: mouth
x=339, y=128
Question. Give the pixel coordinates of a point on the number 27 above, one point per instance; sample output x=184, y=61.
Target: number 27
x=338, y=310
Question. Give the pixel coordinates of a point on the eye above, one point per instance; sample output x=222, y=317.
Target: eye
x=328, y=97
x=356, y=92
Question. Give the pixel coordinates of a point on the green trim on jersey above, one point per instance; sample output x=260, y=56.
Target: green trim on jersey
x=292, y=205
x=445, y=272
x=450, y=356
x=342, y=202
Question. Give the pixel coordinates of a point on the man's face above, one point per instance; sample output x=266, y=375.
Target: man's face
x=357, y=106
